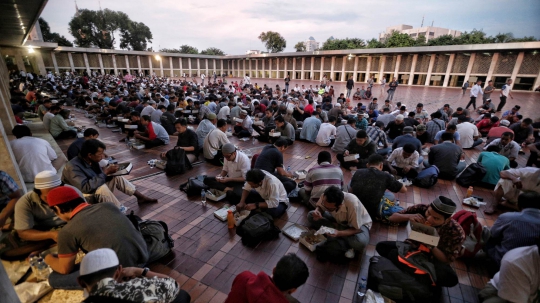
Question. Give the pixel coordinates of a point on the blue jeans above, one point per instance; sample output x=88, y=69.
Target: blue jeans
x=358, y=242
x=68, y=281
x=460, y=167
x=384, y=151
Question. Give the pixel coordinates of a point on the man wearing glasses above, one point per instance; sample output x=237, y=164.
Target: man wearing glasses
x=346, y=214
x=233, y=176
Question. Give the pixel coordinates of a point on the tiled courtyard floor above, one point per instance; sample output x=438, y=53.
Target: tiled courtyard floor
x=207, y=256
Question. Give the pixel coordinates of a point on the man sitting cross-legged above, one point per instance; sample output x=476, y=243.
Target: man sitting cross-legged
x=319, y=178
x=263, y=191
x=233, y=176
x=95, y=182
x=345, y=213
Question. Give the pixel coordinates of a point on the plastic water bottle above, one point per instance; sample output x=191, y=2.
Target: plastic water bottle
x=42, y=270
x=203, y=197
x=288, y=168
x=253, y=141
x=362, y=288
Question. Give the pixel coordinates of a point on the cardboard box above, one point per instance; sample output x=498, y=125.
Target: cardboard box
x=311, y=246
x=351, y=157
x=161, y=164
x=275, y=134
x=422, y=233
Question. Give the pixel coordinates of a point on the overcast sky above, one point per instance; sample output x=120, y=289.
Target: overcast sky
x=234, y=26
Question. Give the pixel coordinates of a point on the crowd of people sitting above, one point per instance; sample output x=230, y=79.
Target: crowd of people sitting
x=384, y=144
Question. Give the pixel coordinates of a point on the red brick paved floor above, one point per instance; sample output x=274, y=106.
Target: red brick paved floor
x=207, y=256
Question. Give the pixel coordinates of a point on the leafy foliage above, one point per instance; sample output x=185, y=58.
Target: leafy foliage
x=300, y=47
x=214, y=51
x=347, y=43
x=98, y=28
x=273, y=41
x=375, y=43
x=184, y=49
x=52, y=37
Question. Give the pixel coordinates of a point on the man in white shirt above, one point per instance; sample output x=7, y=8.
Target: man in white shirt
x=505, y=92
x=233, y=175
x=202, y=79
x=213, y=142
x=263, y=191
x=512, y=183
x=518, y=280
x=225, y=111
x=468, y=133
x=405, y=161
x=327, y=133
x=149, y=108
x=33, y=155
x=345, y=213
x=475, y=90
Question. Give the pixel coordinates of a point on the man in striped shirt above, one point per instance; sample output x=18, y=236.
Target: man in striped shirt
x=319, y=178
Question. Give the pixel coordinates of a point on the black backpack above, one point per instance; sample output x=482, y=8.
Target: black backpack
x=194, y=185
x=333, y=250
x=177, y=162
x=427, y=178
x=156, y=235
x=257, y=227
x=473, y=174
x=386, y=278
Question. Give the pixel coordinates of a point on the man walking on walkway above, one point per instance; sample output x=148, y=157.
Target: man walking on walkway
x=350, y=85
x=392, y=89
x=505, y=92
x=475, y=90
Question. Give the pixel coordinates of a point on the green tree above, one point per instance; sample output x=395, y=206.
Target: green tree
x=273, y=41
x=99, y=28
x=524, y=39
x=398, y=39
x=168, y=50
x=442, y=40
x=375, y=43
x=300, y=47
x=420, y=40
x=474, y=37
x=347, y=43
x=52, y=37
x=214, y=51
x=188, y=49
x=504, y=37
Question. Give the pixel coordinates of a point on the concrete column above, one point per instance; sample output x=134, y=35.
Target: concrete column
x=70, y=59
x=312, y=75
x=430, y=69
x=221, y=64
x=449, y=69
x=343, y=69
x=161, y=66
x=381, y=69
x=171, y=66
x=263, y=68
x=355, y=69
x=198, y=67
x=86, y=63
x=303, y=66
x=150, y=64
x=207, y=68
x=293, y=76
x=256, y=68
x=180, y=64
x=138, y=64
x=55, y=64
x=368, y=68
x=492, y=65
x=114, y=64
x=396, y=70
x=519, y=60
x=244, y=67
x=101, y=64
x=537, y=82
x=40, y=64
x=469, y=67
x=189, y=67
x=413, y=66
x=128, y=68
x=332, y=64
x=19, y=61
x=322, y=68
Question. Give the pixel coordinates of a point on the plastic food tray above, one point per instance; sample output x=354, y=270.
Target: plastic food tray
x=310, y=246
x=295, y=231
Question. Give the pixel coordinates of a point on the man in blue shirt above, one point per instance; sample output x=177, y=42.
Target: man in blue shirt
x=515, y=229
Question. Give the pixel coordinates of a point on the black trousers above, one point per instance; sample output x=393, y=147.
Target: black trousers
x=471, y=102
x=67, y=134
x=233, y=196
x=501, y=105
x=349, y=164
x=533, y=159
x=411, y=174
x=446, y=276
x=287, y=182
x=241, y=132
x=217, y=160
x=182, y=297
x=154, y=143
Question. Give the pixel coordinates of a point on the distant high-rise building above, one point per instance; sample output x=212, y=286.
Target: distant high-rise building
x=430, y=32
x=311, y=44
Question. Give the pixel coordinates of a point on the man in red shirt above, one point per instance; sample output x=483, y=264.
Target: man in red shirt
x=308, y=110
x=497, y=131
x=486, y=124
x=289, y=274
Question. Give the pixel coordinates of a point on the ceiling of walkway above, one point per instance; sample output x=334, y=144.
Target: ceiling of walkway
x=17, y=17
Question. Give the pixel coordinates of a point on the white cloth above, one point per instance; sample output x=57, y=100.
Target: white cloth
x=213, y=142
x=530, y=180
x=224, y=112
x=519, y=278
x=351, y=211
x=326, y=131
x=33, y=156
x=239, y=167
x=272, y=190
x=47, y=120
x=467, y=131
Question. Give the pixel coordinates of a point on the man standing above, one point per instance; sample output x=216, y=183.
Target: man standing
x=84, y=173
x=350, y=86
x=319, y=178
x=89, y=228
x=263, y=191
x=488, y=90
x=393, y=86
x=287, y=80
x=464, y=87
x=475, y=90
x=345, y=213
x=505, y=92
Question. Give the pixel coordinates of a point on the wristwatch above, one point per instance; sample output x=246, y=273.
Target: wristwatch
x=145, y=271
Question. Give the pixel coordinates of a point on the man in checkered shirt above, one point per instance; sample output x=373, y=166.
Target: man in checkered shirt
x=9, y=195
